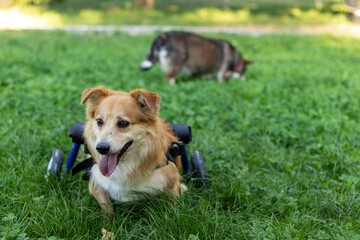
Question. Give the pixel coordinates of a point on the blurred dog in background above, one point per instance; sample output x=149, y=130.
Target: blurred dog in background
x=191, y=54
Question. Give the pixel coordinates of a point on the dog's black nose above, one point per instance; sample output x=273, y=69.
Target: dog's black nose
x=103, y=147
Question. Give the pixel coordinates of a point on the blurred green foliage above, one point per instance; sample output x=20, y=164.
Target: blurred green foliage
x=200, y=12
x=262, y=5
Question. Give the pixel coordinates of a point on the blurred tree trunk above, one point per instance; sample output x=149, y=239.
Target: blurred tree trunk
x=318, y=3
x=148, y=4
x=353, y=10
x=226, y=3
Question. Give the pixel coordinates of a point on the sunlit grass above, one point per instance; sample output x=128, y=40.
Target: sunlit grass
x=29, y=18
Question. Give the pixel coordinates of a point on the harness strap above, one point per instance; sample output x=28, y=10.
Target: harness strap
x=86, y=164
x=176, y=149
x=170, y=158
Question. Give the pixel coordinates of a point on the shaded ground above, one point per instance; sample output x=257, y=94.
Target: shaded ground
x=251, y=30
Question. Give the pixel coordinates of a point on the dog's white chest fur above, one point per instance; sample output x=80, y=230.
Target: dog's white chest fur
x=163, y=59
x=122, y=188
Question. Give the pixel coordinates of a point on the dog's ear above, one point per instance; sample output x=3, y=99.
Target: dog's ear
x=247, y=62
x=93, y=96
x=148, y=102
x=164, y=36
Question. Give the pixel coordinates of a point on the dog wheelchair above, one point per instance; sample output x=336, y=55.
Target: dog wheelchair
x=182, y=131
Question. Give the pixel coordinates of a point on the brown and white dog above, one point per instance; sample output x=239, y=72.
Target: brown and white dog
x=192, y=54
x=128, y=141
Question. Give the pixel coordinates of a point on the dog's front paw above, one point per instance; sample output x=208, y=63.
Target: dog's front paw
x=183, y=188
x=172, y=81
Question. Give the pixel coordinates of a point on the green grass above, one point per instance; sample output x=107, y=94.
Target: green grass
x=282, y=149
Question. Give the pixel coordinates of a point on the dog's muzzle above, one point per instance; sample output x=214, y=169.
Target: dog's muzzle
x=103, y=148
x=108, y=162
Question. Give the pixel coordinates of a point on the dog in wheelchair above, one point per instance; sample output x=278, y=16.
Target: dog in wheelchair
x=128, y=141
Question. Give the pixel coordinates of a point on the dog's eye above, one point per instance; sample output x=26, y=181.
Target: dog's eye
x=100, y=122
x=123, y=123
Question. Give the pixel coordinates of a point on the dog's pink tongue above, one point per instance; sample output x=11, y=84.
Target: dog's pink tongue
x=107, y=164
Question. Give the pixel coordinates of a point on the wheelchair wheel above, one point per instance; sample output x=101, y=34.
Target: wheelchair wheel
x=55, y=163
x=199, y=176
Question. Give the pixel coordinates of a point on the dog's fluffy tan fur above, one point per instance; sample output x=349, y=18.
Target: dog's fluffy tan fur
x=143, y=167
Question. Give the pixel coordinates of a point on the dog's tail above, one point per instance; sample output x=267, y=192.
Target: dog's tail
x=153, y=56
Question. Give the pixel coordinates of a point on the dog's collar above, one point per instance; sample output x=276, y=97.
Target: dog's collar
x=124, y=149
x=236, y=68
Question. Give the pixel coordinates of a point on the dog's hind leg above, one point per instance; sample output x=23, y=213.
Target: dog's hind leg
x=171, y=75
x=171, y=63
x=221, y=75
x=175, y=66
x=103, y=198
